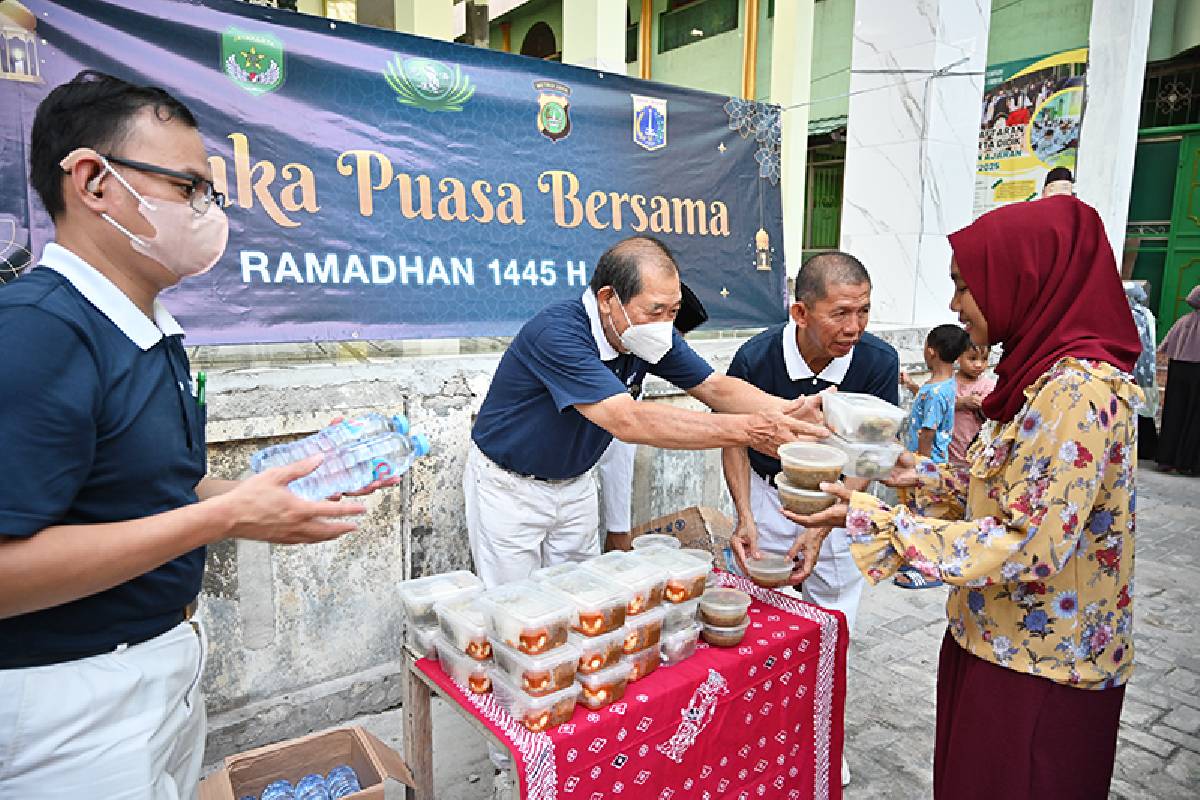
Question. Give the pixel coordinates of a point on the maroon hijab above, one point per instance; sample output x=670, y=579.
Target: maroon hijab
x=1043, y=274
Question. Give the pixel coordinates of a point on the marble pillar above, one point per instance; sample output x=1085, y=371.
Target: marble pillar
x=1118, y=38
x=791, y=79
x=916, y=87
x=594, y=34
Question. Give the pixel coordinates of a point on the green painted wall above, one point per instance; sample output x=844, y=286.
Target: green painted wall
x=1028, y=28
x=525, y=17
x=713, y=64
x=1174, y=28
x=833, y=26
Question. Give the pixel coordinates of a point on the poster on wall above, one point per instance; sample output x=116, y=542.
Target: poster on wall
x=1032, y=111
x=388, y=186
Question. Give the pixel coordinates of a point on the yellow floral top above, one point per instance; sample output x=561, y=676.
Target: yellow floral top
x=1036, y=540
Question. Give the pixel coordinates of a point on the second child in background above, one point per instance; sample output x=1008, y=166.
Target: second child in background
x=972, y=388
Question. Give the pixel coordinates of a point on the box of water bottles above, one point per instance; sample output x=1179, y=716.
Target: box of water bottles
x=357, y=451
x=338, y=764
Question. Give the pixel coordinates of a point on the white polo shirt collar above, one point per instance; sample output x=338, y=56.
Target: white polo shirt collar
x=607, y=351
x=797, y=367
x=109, y=300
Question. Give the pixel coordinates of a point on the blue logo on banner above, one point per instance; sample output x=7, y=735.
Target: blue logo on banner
x=649, y=122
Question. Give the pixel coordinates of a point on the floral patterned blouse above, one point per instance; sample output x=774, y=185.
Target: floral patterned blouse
x=1036, y=539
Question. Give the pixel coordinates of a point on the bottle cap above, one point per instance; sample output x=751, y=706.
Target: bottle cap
x=420, y=443
x=400, y=424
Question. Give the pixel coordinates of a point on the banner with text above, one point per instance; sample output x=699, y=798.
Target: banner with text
x=382, y=185
x=1032, y=111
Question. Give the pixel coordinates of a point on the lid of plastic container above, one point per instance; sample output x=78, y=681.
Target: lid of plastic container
x=437, y=586
x=627, y=568
x=681, y=635
x=811, y=454
x=526, y=600
x=646, y=618
x=617, y=672
x=656, y=540
x=741, y=626
x=677, y=563
x=466, y=608
x=770, y=565
x=420, y=443
x=725, y=598
x=511, y=696
x=540, y=575
x=586, y=588
x=593, y=643
x=400, y=424
x=784, y=485
x=551, y=658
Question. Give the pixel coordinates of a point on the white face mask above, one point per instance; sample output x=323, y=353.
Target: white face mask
x=649, y=341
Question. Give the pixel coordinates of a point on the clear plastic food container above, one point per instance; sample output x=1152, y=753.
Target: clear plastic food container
x=861, y=417
x=872, y=461
x=802, y=501
x=527, y=618
x=807, y=464
x=681, y=615
x=542, y=574
x=680, y=645
x=421, y=641
x=685, y=574
x=656, y=540
x=770, y=571
x=724, y=636
x=642, y=663
x=466, y=671
x=599, y=652
x=549, y=672
x=724, y=607
x=644, y=630
x=643, y=579
x=599, y=604
x=420, y=594
x=465, y=626
x=605, y=687
x=704, y=555
x=535, y=713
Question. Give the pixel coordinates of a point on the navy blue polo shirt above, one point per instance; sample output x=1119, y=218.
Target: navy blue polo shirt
x=98, y=425
x=772, y=362
x=528, y=422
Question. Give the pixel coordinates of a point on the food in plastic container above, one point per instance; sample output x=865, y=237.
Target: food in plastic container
x=724, y=607
x=873, y=461
x=421, y=641
x=685, y=574
x=770, y=570
x=599, y=652
x=542, y=574
x=466, y=671
x=602, y=688
x=680, y=645
x=535, y=713
x=644, y=580
x=680, y=615
x=642, y=663
x=861, y=417
x=807, y=464
x=724, y=636
x=538, y=675
x=420, y=594
x=527, y=618
x=656, y=540
x=644, y=630
x=599, y=604
x=802, y=501
x=465, y=626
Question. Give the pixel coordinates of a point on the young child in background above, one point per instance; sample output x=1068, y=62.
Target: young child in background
x=931, y=424
x=972, y=388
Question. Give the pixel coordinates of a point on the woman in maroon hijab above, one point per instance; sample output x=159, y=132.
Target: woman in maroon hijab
x=1036, y=538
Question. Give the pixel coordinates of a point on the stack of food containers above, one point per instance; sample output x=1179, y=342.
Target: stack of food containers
x=805, y=467
x=598, y=632
x=865, y=429
x=645, y=583
x=462, y=645
x=420, y=595
x=535, y=665
x=724, y=613
x=686, y=578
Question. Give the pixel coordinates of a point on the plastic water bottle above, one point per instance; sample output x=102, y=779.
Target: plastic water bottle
x=278, y=790
x=312, y=787
x=342, y=782
x=352, y=468
x=329, y=439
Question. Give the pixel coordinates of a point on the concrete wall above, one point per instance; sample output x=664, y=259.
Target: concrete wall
x=306, y=637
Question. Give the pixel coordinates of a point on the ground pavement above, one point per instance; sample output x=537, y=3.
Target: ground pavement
x=890, y=708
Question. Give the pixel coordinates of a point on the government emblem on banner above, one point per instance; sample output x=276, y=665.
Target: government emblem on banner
x=428, y=84
x=254, y=61
x=554, y=109
x=649, y=122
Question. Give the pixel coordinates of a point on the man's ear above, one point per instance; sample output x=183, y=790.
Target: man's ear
x=799, y=314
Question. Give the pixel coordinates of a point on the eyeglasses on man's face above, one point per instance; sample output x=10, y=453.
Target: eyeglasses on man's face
x=201, y=194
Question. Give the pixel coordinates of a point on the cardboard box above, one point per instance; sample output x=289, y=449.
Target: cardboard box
x=698, y=526
x=249, y=773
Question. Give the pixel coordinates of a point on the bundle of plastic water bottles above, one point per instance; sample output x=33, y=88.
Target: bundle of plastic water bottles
x=357, y=452
x=342, y=781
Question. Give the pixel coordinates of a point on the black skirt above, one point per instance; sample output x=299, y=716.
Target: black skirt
x=1179, y=438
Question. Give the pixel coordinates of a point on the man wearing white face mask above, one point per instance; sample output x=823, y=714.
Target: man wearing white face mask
x=105, y=509
x=561, y=394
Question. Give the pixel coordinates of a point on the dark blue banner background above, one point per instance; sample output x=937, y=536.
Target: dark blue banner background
x=334, y=98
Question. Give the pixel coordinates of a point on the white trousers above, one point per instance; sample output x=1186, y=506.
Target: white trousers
x=516, y=525
x=615, y=471
x=125, y=725
x=836, y=581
